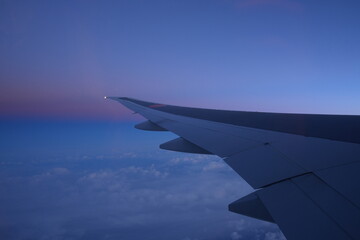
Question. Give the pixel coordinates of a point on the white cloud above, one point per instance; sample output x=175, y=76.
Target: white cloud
x=274, y=236
x=235, y=236
x=213, y=166
x=191, y=159
x=60, y=171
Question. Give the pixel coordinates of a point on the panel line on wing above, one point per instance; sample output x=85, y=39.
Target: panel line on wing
x=336, y=190
x=288, y=158
x=319, y=206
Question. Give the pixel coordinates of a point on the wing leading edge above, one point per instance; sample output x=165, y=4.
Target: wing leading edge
x=304, y=166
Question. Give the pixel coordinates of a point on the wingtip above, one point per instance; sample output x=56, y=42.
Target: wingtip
x=115, y=98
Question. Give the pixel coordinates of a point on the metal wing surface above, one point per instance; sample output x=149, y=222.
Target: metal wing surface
x=305, y=168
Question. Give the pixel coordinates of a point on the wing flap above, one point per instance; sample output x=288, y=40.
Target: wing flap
x=335, y=205
x=300, y=215
x=263, y=165
x=345, y=179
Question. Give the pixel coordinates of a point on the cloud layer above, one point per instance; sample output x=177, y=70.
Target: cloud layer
x=129, y=196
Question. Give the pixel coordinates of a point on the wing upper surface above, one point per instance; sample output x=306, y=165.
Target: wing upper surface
x=273, y=151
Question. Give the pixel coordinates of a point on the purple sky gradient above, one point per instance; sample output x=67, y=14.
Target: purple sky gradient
x=58, y=59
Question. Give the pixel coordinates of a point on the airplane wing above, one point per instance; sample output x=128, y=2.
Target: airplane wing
x=305, y=167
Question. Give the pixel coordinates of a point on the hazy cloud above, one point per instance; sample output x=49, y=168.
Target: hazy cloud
x=138, y=197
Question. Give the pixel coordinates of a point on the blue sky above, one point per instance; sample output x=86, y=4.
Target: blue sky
x=73, y=167
x=60, y=58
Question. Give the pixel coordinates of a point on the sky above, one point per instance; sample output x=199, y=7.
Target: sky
x=58, y=59
x=73, y=166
